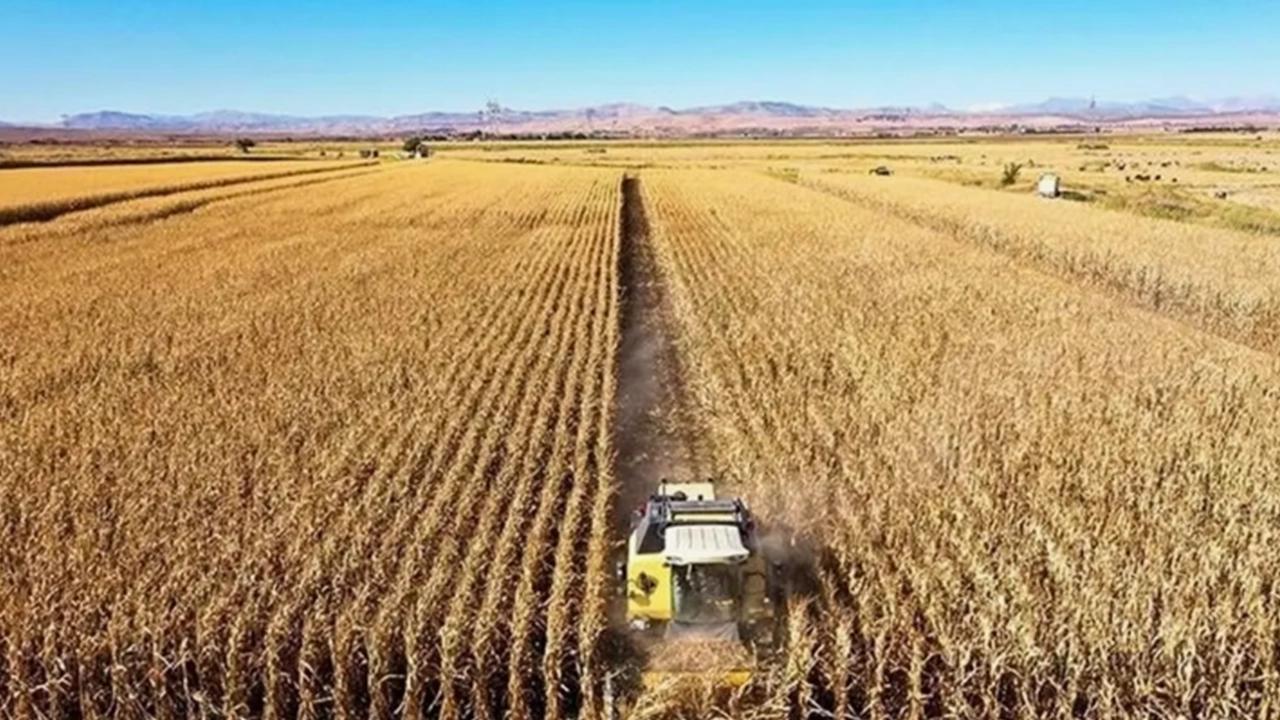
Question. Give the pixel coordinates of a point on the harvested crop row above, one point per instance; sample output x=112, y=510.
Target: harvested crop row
x=42, y=194
x=90, y=156
x=1021, y=497
x=88, y=224
x=1223, y=281
x=302, y=455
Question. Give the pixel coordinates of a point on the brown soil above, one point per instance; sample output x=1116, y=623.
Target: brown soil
x=653, y=432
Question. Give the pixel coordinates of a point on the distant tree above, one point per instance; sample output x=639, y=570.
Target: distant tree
x=411, y=144
x=244, y=144
x=1011, y=171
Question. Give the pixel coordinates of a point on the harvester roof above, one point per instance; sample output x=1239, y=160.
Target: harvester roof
x=703, y=544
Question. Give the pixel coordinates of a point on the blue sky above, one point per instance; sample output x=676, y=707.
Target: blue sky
x=67, y=56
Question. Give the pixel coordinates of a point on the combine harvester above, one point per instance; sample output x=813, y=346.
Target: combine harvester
x=696, y=579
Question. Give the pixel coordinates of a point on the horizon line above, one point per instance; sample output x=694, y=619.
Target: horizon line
x=981, y=108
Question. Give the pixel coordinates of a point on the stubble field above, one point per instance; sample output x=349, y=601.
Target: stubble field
x=340, y=440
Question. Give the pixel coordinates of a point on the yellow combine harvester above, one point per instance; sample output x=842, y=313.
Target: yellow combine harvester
x=695, y=571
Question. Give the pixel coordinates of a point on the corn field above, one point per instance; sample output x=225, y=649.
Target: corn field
x=311, y=452
x=1022, y=497
x=335, y=440
x=1225, y=282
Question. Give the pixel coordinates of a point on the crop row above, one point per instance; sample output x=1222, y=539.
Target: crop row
x=43, y=194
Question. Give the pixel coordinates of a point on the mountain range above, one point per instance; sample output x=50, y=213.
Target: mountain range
x=629, y=118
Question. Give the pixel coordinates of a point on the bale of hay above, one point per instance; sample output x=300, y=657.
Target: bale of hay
x=1049, y=186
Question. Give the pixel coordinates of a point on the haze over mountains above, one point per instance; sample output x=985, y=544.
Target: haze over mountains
x=629, y=118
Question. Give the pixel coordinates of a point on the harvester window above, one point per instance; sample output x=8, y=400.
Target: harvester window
x=706, y=593
x=650, y=534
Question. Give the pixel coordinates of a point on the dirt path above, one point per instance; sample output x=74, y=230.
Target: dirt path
x=654, y=434
x=653, y=430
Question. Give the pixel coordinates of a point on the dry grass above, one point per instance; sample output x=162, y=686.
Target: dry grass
x=18, y=150
x=1223, y=281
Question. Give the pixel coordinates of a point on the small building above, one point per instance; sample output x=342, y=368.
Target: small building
x=1049, y=186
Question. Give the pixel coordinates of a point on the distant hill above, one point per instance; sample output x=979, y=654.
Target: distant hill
x=105, y=119
x=764, y=108
x=738, y=117
x=1176, y=106
x=217, y=121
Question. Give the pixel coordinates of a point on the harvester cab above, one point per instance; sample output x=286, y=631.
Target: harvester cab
x=695, y=570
